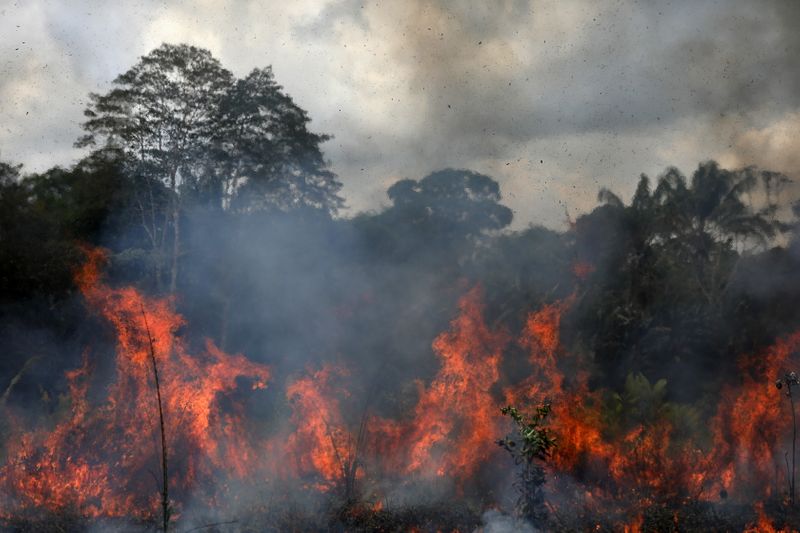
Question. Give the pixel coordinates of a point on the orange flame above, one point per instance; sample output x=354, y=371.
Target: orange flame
x=99, y=457
x=764, y=524
x=98, y=460
x=582, y=270
x=751, y=421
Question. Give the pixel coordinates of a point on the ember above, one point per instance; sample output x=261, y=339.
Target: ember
x=98, y=461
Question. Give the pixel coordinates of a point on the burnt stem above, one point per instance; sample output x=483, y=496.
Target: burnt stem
x=794, y=444
x=165, y=479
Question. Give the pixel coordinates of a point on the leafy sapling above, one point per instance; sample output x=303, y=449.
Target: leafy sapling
x=529, y=444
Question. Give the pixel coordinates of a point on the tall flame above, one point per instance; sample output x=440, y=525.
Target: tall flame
x=99, y=460
x=455, y=421
x=321, y=442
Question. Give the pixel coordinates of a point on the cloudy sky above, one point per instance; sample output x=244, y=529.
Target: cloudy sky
x=552, y=98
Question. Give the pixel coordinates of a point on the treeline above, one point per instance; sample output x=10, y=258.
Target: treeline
x=216, y=191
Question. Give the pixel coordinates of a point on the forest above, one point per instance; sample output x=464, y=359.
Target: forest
x=194, y=336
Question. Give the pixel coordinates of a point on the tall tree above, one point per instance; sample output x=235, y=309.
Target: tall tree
x=437, y=219
x=160, y=115
x=187, y=127
x=268, y=157
x=668, y=259
x=707, y=220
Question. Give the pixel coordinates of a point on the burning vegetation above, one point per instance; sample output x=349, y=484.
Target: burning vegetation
x=587, y=456
x=195, y=341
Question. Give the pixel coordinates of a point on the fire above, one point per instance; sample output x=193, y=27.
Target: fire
x=647, y=461
x=578, y=427
x=97, y=461
x=635, y=526
x=455, y=421
x=42, y=477
x=763, y=524
x=321, y=443
x=98, y=458
x=751, y=420
x=541, y=339
x=582, y=270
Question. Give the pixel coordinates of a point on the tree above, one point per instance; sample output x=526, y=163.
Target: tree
x=188, y=128
x=706, y=222
x=667, y=261
x=713, y=205
x=268, y=157
x=436, y=217
x=38, y=222
x=9, y=173
x=530, y=444
x=452, y=201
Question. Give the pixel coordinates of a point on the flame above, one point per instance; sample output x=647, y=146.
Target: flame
x=648, y=461
x=98, y=460
x=751, y=421
x=582, y=270
x=98, y=457
x=763, y=524
x=541, y=339
x=453, y=425
x=455, y=421
x=635, y=526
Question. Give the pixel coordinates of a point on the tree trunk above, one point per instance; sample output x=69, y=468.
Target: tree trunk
x=223, y=333
x=176, y=247
x=176, y=231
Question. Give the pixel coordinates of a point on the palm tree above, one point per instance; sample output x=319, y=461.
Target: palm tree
x=675, y=247
x=708, y=221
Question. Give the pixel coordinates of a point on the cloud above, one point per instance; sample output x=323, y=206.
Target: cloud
x=775, y=146
x=594, y=89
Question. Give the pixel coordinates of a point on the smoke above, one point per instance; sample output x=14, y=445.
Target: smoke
x=497, y=522
x=541, y=95
x=592, y=90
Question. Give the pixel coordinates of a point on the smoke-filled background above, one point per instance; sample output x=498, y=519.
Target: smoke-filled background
x=351, y=232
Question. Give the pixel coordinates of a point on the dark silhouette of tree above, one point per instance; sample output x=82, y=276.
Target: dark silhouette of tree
x=34, y=229
x=667, y=261
x=436, y=217
x=9, y=173
x=269, y=158
x=44, y=217
x=707, y=221
x=713, y=205
x=451, y=202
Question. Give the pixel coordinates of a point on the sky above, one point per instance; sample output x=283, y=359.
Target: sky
x=553, y=99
